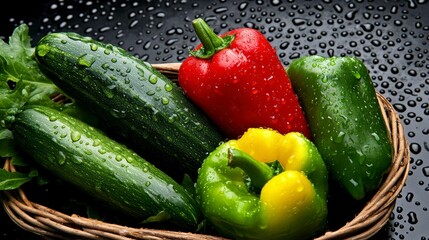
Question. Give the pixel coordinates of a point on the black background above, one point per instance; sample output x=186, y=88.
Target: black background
x=391, y=37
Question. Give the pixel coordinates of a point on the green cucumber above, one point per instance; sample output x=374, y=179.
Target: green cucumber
x=134, y=99
x=102, y=167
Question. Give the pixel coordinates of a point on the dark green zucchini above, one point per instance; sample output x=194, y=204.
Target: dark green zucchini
x=132, y=97
x=103, y=168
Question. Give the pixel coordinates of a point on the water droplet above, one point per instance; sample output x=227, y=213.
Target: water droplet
x=351, y=15
x=426, y=171
x=376, y=137
x=295, y=55
x=368, y=27
x=96, y=143
x=86, y=60
x=284, y=45
x=168, y=87
x=42, y=50
x=105, y=66
x=324, y=79
x=338, y=8
x=75, y=136
x=357, y=75
x=63, y=135
x=108, y=91
x=340, y=137
x=61, y=158
x=133, y=23
x=415, y=148
x=113, y=78
x=398, y=22
x=412, y=218
x=352, y=181
x=299, y=21
x=409, y=197
x=130, y=159
x=412, y=4
x=77, y=159
x=164, y=100
x=153, y=79
x=361, y=156
x=375, y=42
x=220, y=10
x=394, y=9
x=400, y=107
x=242, y=6
x=93, y=47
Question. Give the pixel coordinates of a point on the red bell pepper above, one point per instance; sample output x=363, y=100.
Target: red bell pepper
x=239, y=81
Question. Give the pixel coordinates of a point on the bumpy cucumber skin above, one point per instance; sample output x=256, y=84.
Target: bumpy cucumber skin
x=96, y=164
x=133, y=98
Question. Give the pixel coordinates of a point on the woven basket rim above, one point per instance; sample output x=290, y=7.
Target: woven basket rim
x=44, y=221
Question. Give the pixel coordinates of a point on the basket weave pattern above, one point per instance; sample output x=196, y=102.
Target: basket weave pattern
x=50, y=223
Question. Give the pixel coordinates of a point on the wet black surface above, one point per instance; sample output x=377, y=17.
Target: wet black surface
x=390, y=37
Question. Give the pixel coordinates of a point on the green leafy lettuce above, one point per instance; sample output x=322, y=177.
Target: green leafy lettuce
x=21, y=82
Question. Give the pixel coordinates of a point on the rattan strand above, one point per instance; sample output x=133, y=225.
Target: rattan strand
x=51, y=224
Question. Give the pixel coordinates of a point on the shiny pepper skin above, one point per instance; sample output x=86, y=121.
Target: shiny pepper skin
x=346, y=121
x=239, y=81
x=291, y=204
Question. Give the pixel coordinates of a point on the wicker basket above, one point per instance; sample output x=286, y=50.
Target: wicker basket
x=50, y=223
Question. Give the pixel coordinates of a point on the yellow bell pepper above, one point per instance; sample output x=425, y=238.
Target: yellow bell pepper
x=265, y=185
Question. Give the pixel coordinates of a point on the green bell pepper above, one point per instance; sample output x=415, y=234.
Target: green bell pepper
x=245, y=197
x=340, y=103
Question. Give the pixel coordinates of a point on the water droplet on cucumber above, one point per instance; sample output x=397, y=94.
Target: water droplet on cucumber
x=150, y=93
x=96, y=143
x=42, y=50
x=130, y=159
x=108, y=91
x=93, y=47
x=75, y=136
x=86, y=60
x=77, y=159
x=164, y=100
x=168, y=87
x=153, y=79
x=61, y=160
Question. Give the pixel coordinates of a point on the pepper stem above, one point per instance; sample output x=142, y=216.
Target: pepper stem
x=259, y=172
x=210, y=41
